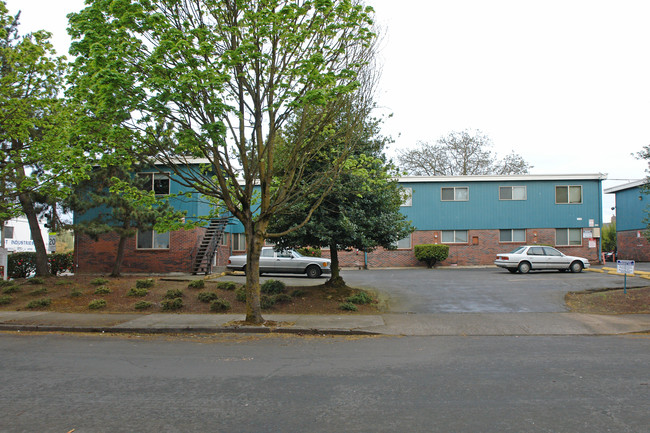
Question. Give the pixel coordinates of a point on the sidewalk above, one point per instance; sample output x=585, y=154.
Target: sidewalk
x=445, y=324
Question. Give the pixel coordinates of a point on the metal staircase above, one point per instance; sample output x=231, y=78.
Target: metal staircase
x=207, y=246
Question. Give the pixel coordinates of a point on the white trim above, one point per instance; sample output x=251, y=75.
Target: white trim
x=625, y=186
x=503, y=178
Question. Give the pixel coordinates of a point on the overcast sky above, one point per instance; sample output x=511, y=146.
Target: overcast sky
x=564, y=83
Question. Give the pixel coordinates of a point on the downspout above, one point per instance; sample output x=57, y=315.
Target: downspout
x=600, y=222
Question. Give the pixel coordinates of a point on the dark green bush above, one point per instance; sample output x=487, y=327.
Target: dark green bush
x=137, y=292
x=207, y=297
x=5, y=299
x=11, y=289
x=21, y=265
x=99, y=281
x=273, y=287
x=144, y=284
x=267, y=302
x=142, y=305
x=310, y=252
x=75, y=293
x=298, y=293
x=431, y=253
x=348, y=306
x=97, y=304
x=226, y=285
x=196, y=284
x=39, y=303
x=102, y=290
x=171, y=304
x=282, y=298
x=41, y=291
x=60, y=263
x=36, y=281
x=219, y=305
x=360, y=298
x=173, y=294
x=5, y=283
x=240, y=294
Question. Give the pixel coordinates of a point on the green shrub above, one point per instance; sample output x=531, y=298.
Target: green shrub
x=173, y=294
x=226, y=285
x=97, y=304
x=11, y=289
x=310, y=252
x=137, y=292
x=360, y=298
x=41, y=291
x=196, y=284
x=298, y=293
x=240, y=294
x=39, y=303
x=266, y=302
x=5, y=299
x=5, y=283
x=36, y=281
x=75, y=293
x=99, y=281
x=207, y=297
x=142, y=305
x=102, y=290
x=348, y=306
x=60, y=263
x=172, y=304
x=282, y=298
x=21, y=265
x=219, y=305
x=273, y=287
x=431, y=253
x=144, y=284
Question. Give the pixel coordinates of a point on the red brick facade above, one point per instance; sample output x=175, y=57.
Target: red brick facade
x=632, y=245
x=481, y=249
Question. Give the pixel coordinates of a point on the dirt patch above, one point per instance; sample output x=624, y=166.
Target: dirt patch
x=610, y=301
x=74, y=294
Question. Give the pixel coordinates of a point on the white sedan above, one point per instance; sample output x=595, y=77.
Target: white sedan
x=534, y=257
x=284, y=262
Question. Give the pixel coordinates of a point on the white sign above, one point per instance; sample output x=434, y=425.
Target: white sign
x=587, y=234
x=625, y=266
x=51, y=247
x=592, y=243
x=19, y=246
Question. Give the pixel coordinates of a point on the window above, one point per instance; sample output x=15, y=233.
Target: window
x=267, y=252
x=239, y=241
x=404, y=243
x=454, y=236
x=458, y=193
x=514, y=235
x=568, y=194
x=9, y=232
x=568, y=237
x=156, y=182
x=407, y=196
x=512, y=193
x=150, y=239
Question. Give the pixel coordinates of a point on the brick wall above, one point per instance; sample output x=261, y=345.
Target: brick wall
x=99, y=256
x=481, y=249
x=632, y=245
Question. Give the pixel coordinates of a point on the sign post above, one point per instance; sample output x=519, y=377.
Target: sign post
x=625, y=267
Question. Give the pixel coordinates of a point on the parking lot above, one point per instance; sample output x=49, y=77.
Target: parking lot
x=471, y=290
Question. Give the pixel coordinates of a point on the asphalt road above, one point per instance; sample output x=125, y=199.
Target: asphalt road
x=57, y=383
x=469, y=290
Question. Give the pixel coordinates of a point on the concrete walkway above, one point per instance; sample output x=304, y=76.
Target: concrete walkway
x=449, y=324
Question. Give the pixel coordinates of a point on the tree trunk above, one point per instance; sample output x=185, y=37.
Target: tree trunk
x=117, y=266
x=27, y=205
x=335, y=280
x=254, y=244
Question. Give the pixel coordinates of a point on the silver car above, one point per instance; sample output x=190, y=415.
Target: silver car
x=535, y=257
x=284, y=262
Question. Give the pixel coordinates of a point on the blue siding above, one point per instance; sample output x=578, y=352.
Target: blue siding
x=484, y=210
x=630, y=211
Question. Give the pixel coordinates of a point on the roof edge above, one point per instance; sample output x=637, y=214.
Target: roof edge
x=502, y=178
x=625, y=186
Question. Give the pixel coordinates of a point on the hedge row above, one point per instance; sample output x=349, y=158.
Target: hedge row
x=22, y=265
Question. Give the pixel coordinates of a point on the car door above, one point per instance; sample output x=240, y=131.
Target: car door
x=284, y=262
x=536, y=257
x=267, y=260
x=556, y=260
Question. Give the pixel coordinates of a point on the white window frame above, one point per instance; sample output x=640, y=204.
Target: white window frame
x=512, y=236
x=568, y=193
x=568, y=237
x=152, y=178
x=456, y=190
x=512, y=192
x=238, y=240
x=153, y=240
x=407, y=197
x=404, y=243
x=455, y=232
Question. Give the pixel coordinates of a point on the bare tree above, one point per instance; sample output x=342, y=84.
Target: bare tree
x=460, y=153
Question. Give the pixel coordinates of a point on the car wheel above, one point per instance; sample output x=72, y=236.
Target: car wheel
x=524, y=267
x=313, y=271
x=576, y=267
x=512, y=270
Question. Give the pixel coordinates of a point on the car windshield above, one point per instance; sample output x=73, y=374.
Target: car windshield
x=517, y=250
